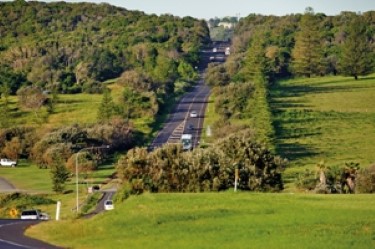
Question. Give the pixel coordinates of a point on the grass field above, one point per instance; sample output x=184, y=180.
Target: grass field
x=223, y=220
x=330, y=119
x=27, y=176
x=70, y=109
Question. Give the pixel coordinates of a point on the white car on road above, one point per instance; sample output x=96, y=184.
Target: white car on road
x=108, y=205
x=193, y=114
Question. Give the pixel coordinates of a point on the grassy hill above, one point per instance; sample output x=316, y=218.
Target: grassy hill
x=225, y=220
x=329, y=119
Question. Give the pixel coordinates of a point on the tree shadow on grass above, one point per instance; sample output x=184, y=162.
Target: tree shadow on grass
x=287, y=91
x=294, y=151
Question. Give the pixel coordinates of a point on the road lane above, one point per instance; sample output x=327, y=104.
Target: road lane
x=180, y=120
x=12, y=235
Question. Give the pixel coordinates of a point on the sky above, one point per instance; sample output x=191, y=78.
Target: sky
x=205, y=9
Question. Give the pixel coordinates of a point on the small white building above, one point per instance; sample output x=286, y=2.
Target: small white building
x=226, y=25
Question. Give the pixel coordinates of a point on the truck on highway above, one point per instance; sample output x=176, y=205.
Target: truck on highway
x=7, y=162
x=187, y=141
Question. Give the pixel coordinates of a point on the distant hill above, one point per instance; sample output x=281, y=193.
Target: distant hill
x=76, y=45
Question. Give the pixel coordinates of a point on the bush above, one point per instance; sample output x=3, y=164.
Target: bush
x=20, y=201
x=170, y=169
x=366, y=180
x=123, y=193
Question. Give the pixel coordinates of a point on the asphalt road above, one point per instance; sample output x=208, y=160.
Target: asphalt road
x=108, y=194
x=12, y=236
x=179, y=120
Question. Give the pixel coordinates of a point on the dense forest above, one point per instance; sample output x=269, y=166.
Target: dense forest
x=74, y=47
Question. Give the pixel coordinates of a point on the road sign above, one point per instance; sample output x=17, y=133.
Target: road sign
x=13, y=212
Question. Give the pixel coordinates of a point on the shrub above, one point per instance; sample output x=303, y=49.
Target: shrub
x=366, y=180
x=170, y=169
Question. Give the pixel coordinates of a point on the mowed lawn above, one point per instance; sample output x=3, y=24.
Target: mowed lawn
x=330, y=119
x=222, y=220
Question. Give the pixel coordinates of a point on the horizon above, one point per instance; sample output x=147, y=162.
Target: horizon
x=208, y=9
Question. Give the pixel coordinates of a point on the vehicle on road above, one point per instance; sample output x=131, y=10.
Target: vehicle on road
x=44, y=216
x=187, y=141
x=30, y=215
x=108, y=205
x=227, y=51
x=7, y=162
x=191, y=127
x=214, y=50
x=193, y=114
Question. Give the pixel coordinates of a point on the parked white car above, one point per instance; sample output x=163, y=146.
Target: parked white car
x=7, y=162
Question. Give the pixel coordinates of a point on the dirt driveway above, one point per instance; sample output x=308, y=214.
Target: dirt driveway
x=6, y=186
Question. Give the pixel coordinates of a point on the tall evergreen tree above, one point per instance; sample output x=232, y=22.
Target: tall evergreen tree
x=307, y=53
x=357, y=55
x=59, y=175
x=256, y=63
x=106, y=108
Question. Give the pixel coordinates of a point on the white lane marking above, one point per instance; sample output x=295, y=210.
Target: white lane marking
x=14, y=243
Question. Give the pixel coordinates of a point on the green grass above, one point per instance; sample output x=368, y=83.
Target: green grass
x=70, y=109
x=329, y=119
x=223, y=220
x=29, y=177
x=209, y=120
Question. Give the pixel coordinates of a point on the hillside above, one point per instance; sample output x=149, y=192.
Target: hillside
x=67, y=68
x=327, y=119
x=75, y=46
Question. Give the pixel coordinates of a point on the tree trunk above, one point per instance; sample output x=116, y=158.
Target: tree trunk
x=322, y=178
x=351, y=184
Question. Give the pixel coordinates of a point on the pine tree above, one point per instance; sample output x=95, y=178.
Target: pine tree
x=59, y=175
x=256, y=63
x=307, y=53
x=106, y=108
x=356, y=51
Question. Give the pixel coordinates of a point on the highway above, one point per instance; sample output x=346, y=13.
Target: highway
x=179, y=121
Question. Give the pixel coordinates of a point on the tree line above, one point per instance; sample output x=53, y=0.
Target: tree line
x=309, y=44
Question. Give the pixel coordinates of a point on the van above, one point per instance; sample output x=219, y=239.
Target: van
x=30, y=215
